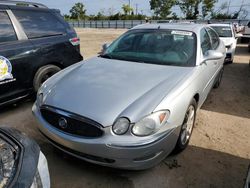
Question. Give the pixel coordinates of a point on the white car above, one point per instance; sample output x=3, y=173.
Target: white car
x=229, y=37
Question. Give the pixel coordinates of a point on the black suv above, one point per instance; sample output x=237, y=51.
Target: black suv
x=35, y=43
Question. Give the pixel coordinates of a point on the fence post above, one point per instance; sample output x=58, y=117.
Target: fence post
x=102, y=23
x=84, y=24
x=109, y=24
x=90, y=24
x=96, y=24
x=78, y=24
x=116, y=24
x=132, y=23
x=123, y=23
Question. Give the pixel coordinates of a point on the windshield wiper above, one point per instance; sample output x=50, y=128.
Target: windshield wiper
x=108, y=56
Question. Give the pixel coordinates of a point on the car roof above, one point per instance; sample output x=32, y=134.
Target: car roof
x=178, y=26
x=27, y=4
x=221, y=25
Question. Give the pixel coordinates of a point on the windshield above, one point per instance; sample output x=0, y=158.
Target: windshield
x=164, y=47
x=223, y=31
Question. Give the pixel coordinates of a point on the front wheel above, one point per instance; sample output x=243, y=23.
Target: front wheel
x=187, y=127
x=43, y=74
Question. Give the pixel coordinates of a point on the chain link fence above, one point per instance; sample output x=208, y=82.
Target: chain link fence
x=127, y=24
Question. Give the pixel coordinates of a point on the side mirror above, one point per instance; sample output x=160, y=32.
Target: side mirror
x=212, y=55
x=105, y=47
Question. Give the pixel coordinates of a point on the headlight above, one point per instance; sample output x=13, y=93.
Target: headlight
x=40, y=99
x=121, y=126
x=229, y=46
x=22, y=164
x=9, y=156
x=150, y=124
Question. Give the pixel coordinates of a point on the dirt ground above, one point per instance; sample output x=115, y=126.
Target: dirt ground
x=218, y=155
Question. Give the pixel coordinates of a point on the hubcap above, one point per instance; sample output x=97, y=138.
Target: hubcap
x=188, y=125
x=47, y=76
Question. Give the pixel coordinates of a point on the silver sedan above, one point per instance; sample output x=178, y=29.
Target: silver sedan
x=134, y=104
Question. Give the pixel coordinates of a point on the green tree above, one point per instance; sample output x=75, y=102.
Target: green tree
x=66, y=17
x=127, y=9
x=221, y=16
x=162, y=8
x=174, y=16
x=78, y=11
x=218, y=14
x=207, y=7
x=190, y=8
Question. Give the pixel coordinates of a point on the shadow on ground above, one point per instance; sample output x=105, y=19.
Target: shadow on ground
x=233, y=96
x=192, y=168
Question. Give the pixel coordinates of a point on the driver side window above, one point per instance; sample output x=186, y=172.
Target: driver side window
x=126, y=44
x=205, y=41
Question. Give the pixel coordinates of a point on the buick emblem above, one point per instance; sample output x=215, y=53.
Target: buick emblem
x=62, y=122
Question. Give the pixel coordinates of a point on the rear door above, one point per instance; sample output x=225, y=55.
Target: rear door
x=49, y=35
x=209, y=67
x=215, y=43
x=15, y=52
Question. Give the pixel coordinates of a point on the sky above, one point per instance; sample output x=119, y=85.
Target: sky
x=94, y=6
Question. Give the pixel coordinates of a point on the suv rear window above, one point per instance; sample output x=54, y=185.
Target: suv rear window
x=7, y=32
x=38, y=24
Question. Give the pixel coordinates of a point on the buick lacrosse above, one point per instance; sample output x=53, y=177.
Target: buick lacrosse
x=133, y=105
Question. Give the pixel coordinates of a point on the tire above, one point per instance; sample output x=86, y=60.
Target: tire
x=218, y=81
x=43, y=74
x=183, y=138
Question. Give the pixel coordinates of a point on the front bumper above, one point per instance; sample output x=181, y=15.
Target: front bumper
x=104, y=152
x=230, y=54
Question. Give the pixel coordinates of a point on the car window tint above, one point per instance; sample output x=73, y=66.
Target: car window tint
x=7, y=32
x=223, y=31
x=39, y=23
x=214, y=38
x=164, y=47
x=205, y=41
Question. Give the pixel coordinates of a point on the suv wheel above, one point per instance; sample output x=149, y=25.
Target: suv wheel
x=43, y=74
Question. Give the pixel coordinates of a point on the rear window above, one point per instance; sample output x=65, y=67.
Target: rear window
x=7, y=32
x=223, y=31
x=38, y=24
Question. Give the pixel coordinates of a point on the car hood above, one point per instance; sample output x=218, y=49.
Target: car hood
x=227, y=40
x=103, y=89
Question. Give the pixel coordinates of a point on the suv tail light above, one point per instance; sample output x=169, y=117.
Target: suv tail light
x=75, y=41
